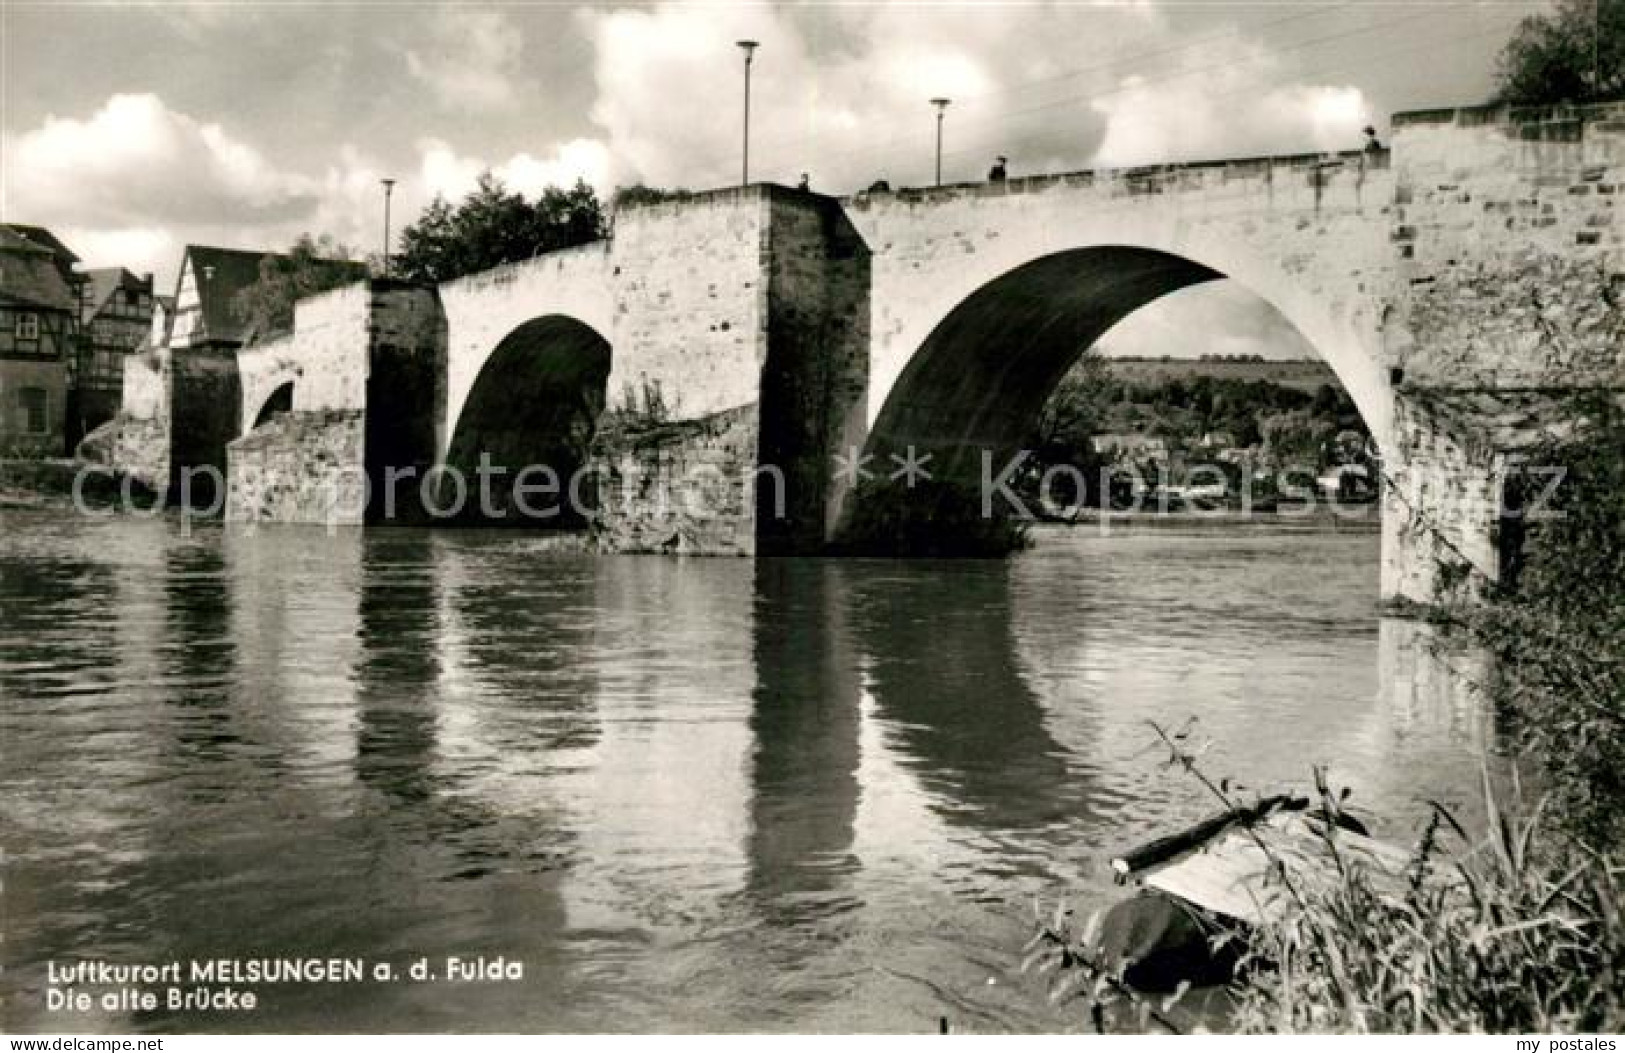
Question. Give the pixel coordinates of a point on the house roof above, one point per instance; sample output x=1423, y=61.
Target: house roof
x=43, y=238
x=29, y=273
x=102, y=282
x=220, y=274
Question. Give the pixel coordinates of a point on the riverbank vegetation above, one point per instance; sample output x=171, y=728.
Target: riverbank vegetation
x=1520, y=926
x=1520, y=931
x=1554, y=628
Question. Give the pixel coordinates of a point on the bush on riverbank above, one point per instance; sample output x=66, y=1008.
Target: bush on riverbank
x=1532, y=939
x=1555, y=633
x=1524, y=932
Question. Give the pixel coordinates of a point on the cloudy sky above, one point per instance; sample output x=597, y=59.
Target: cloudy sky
x=132, y=129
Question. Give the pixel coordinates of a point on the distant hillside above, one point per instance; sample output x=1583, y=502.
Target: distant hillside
x=1306, y=374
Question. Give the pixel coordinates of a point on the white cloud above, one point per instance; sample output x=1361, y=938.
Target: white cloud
x=1231, y=99
x=842, y=91
x=141, y=249
x=136, y=162
x=474, y=63
x=136, y=180
x=838, y=91
x=1218, y=318
x=444, y=171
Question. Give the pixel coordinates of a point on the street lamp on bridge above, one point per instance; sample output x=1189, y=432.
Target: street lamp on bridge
x=942, y=107
x=749, y=48
x=389, y=188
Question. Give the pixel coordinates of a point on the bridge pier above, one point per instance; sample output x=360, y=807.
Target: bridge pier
x=366, y=364
x=738, y=371
x=766, y=344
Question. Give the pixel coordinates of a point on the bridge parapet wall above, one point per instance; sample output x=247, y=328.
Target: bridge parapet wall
x=679, y=441
x=1306, y=233
x=366, y=362
x=481, y=309
x=1341, y=178
x=324, y=356
x=1509, y=233
x=691, y=297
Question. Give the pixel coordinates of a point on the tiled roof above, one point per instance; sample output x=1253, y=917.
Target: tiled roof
x=101, y=283
x=45, y=240
x=220, y=275
x=29, y=274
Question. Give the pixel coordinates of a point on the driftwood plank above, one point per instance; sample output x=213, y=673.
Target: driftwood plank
x=1230, y=875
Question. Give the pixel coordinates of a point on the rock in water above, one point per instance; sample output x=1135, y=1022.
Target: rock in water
x=1155, y=942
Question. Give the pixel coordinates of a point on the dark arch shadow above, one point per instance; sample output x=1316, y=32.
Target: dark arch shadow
x=806, y=726
x=536, y=402
x=399, y=630
x=279, y=402
x=940, y=656
x=525, y=640
x=981, y=377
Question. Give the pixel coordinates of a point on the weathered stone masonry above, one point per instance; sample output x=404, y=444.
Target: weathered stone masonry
x=760, y=330
x=367, y=365
x=1507, y=295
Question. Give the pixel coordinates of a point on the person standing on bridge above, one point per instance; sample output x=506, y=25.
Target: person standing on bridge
x=996, y=174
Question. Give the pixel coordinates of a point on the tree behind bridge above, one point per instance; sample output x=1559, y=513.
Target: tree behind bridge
x=1575, y=54
x=493, y=226
x=310, y=266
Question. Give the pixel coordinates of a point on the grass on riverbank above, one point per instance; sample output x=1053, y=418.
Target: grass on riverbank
x=1521, y=931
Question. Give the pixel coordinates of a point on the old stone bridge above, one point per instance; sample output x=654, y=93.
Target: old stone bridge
x=1452, y=282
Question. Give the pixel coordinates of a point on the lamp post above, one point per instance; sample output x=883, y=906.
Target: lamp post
x=1596, y=50
x=749, y=48
x=942, y=107
x=389, y=187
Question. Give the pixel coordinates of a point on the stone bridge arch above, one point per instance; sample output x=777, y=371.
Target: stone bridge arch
x=280, y=400
x=484, y=310
x=265, y=378
x=532, y=408
x=983, y=371
x=1303, y=234
x=982, y=297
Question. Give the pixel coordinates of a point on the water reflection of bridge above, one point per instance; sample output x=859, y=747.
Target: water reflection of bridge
x=414, y=744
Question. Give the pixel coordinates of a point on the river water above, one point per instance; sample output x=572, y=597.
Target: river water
x=685, y=794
